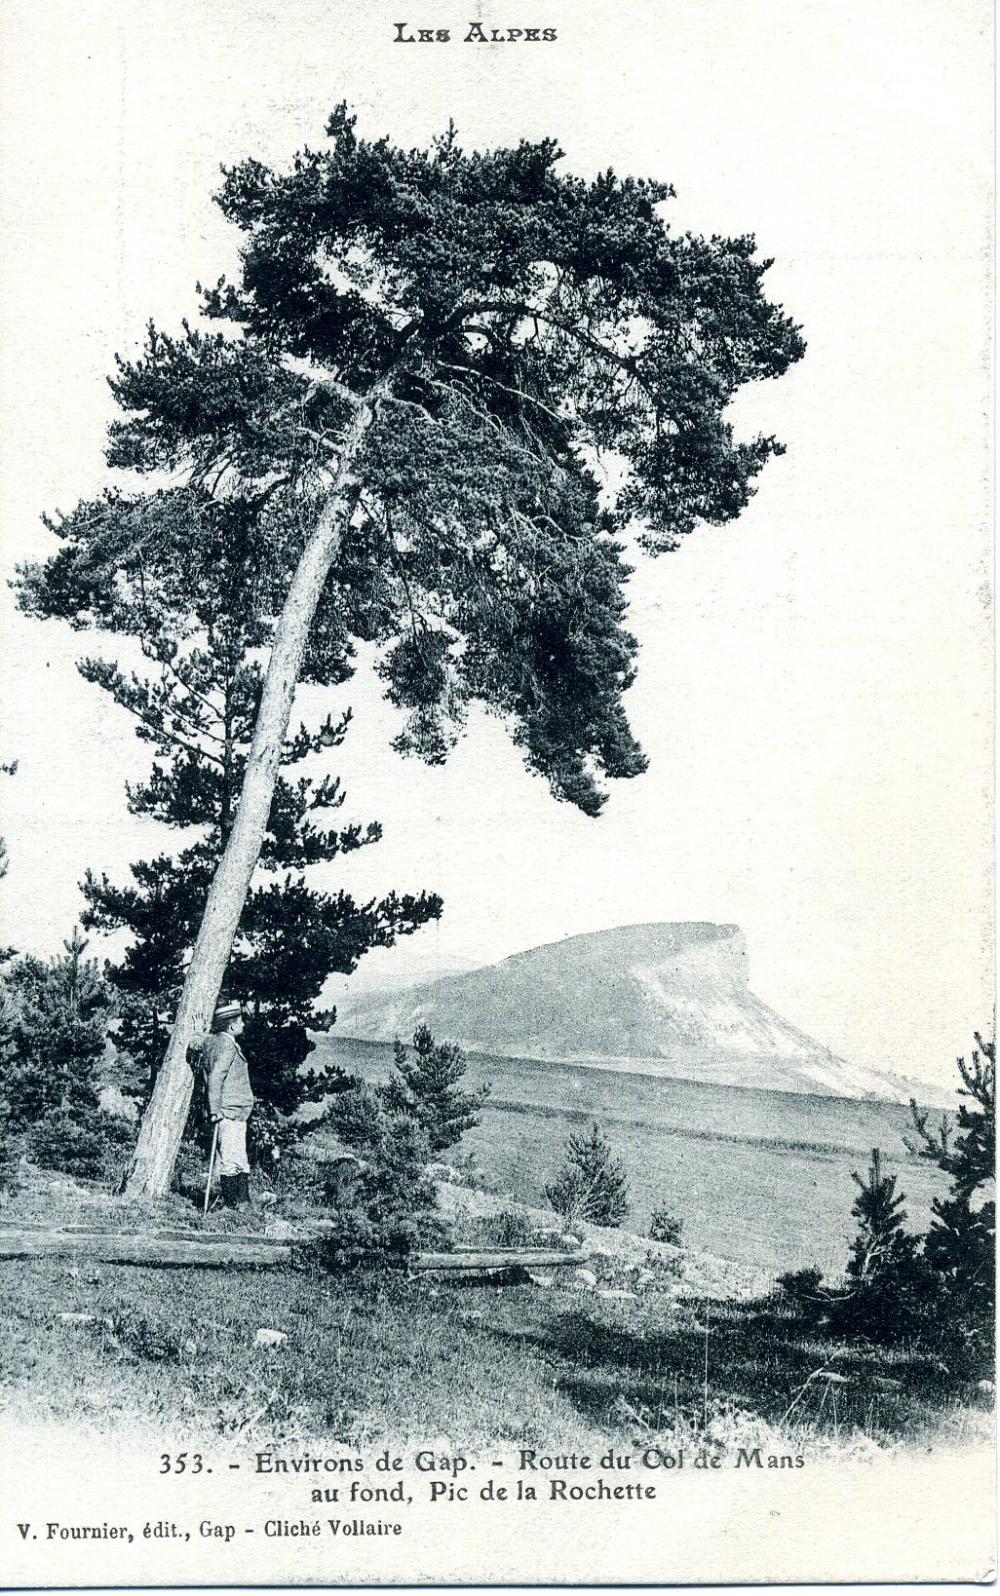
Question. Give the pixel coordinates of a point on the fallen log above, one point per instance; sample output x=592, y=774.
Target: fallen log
x=243, y=1249
x=207, y=1238
x=166, y=1250
x=496, y=1259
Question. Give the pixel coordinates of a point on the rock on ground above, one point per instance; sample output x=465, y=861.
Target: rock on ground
x=702, y=1274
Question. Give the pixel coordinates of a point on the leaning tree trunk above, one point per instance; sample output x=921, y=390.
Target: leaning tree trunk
x=163, y=1122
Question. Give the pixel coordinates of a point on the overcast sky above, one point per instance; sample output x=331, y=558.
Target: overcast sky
x=814, y=688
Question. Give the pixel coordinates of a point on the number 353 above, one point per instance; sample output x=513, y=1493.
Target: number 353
x=181, y=1463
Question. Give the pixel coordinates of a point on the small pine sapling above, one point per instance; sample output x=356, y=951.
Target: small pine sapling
x=391, y=1207
x=881, y=1243
x=593, y=1184
x=966, y=1150
x=961, y=1243
x=427, y=1087
x=50, y=1078
x=889, y=1295
x=665, y=1226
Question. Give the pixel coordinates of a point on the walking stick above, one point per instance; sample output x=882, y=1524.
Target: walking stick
x=211, y=1168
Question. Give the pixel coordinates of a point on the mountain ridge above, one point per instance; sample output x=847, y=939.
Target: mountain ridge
x=659, y=997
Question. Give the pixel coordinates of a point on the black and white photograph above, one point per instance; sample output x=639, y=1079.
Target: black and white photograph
x=497, y=1062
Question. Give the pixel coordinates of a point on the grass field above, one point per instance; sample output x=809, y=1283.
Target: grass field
x=761, y=1177
x=174, y=1351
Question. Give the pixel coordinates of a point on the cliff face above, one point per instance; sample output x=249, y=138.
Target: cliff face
x=662, y=998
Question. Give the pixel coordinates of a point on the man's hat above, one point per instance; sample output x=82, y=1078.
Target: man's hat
x=228, y=1011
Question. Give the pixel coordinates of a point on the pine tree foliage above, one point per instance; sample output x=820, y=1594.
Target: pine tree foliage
x=451, y=384
x=512, y=327
x=889, y=1296
x=199, y=624
x=426, y=1087
x=396, y=1129
x=593, y=1184
x=50, y=1073
x=966, y=1150
x=936, y=1289
x=961, y=1243
x=881, y=1243
x=425, y=1090
x=392, y=1206
x=10, y=1142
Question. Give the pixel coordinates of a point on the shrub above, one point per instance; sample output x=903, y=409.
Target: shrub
x=961, y=1243
x=54, y=1030
x=427, y=1088
x=969, y=1157
x=11, y=1147
x=337, y=1178
x=391, y=1208
x=802, y=1285
x=934, y=1291
x=665, y=1226
x=593, y=1184
x=83, y=1142
x=271, y=1137
x=463, y=1170
x=881, y=1246
x=890, y=1290
x=11, y=1144
x=961, y=1247
x=508, y=1228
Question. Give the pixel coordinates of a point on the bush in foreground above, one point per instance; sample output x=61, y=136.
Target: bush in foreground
x=427, y=1087
x=390, y=1209
x=933, y=1292
x=56, y=1015
x=961, y=1243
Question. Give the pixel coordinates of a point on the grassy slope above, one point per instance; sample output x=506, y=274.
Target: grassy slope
x=412, y=1361
x=760, y=1177
x=553, y=1366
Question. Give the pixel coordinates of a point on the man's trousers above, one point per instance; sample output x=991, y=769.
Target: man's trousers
x=233, y=1147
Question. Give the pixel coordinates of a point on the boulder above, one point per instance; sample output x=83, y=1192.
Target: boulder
x=280, y=1230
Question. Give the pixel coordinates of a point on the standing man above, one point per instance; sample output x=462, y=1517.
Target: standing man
x=230, y=1101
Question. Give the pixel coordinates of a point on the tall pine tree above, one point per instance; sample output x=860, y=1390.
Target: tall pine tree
x=199, y=622
x=423, y=364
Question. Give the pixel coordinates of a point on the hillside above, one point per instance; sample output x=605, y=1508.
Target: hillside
x=662, y=998
x=733, y=1163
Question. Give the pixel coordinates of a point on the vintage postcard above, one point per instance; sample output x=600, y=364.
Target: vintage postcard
x=496, y=998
